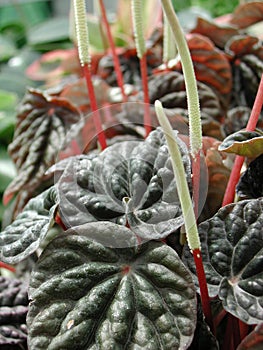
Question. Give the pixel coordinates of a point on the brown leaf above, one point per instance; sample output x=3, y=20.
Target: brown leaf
x=247, y=14
x=42, y=123
x=219, y=34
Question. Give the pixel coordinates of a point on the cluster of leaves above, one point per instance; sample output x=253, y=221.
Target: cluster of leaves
x=119, y=276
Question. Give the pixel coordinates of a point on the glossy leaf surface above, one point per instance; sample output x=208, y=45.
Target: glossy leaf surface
x=87, y=296
x=128, y=182
x=243, y=143
x=42, y=124
x=250, y=184
x=24, y=235
x=232, y=249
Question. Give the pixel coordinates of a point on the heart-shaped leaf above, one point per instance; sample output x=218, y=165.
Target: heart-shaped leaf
x=21, y=238
x=232, y=250
x=243, y=143
x=87, y=296
x=130, y=182
x=250, y=184
x=42, y=124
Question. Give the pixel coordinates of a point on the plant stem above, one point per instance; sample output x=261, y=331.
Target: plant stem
x=85, y=60
x=137, y=11
x=116, y=61
x=187, y=209
x=7, y=267
x=195, y=126
x=239, y=160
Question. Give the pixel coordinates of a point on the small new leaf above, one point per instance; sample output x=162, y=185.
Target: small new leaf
x=244, y=143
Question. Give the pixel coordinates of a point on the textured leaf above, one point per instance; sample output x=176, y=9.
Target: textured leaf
x=254, y=341
x=218, y=175
x=219, y=34
x=211, y=66
x=169, y=88
x=130, y=181
x=232, y=249
x=42, y=124
x=246, y=53
x=87, y=296
x=22, y=237
x=247, y=14
x=243, y=143
x=236, y=119
x=13, y=311
x=250, y=184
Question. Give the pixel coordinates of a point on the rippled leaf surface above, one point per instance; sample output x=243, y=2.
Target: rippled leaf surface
x=128, y=182
x=42, y=123
x=24, y=235
x=169, y=88
x=232, y=248
x=13, y=311
x=243, y=143
x=246, y=54
x=250, y=184
x=87, y=296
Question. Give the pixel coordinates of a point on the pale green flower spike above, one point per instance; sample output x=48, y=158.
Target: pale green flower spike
x=180, y=178
x=169, y=47
x=82, y=31
x=195, y=127
x=137, y=11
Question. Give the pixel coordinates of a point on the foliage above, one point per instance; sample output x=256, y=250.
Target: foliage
x=104, y=229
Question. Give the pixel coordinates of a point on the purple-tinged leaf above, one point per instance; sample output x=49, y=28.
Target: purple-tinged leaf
x=244, y=143
x=13, y=311
x=88, y=296
x=42, y=123
x=130, y=182
x=232, y=250
x=24, y=235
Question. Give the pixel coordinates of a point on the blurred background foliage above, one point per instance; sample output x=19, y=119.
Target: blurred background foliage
x=29, y=28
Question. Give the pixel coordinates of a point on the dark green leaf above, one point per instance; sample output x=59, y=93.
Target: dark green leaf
x=42, y=124
x=250, y=184
x=87, y=296
x=232, y=248
x=21, y=238
x=244, y=143
x=131, y=181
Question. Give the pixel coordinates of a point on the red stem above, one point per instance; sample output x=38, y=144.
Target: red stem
x=116, y=61
x=7, y=267
x=252, y=122
x=203, y=288
x=146, y=99
x=243, y=329
x=94, y=108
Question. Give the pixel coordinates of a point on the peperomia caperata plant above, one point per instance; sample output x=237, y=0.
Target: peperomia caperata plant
x=120, y=251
